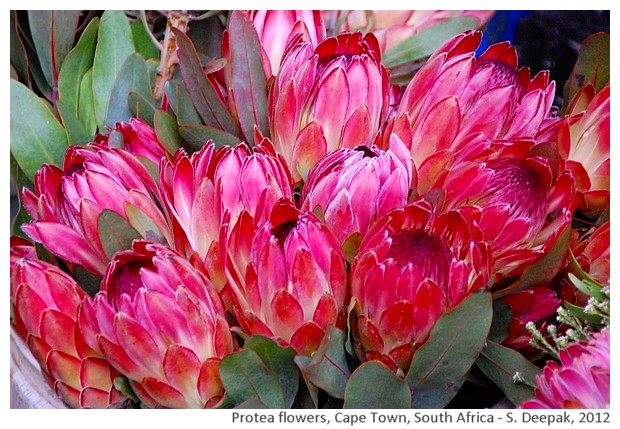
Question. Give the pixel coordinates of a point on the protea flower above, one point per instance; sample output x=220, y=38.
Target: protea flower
x=391, y=27
x=352, y=187
x=411, y=269
x=456, y=100
x=286, y=281
x=44, y=306
x=138, y=138
x=536, y=305
x=68, y=202
x=334, y=95
x=276, y=28
x=160, y=322
x=202, y=189
x=584, y=145
x=580, y=380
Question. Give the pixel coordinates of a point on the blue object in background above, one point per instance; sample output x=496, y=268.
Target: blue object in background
x=502, y=27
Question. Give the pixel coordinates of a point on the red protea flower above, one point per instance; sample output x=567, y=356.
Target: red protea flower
x=334, y=95
x=202, y=189
x=353, y=187
x=276, y=28
x=160, y=322
x=44, y=307
x=580, y=380
x=287, y=280
x=68, y=202
x=391, y=27
x=411, y=269
x=456, y=99
x=536, y=305
x=584, y=145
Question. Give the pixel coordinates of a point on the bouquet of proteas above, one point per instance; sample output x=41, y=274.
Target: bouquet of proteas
x=307, y=209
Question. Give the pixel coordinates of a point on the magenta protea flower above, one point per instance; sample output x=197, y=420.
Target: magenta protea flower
x=411, y=269
x=211, y=185
x=334, y=95
x=68, y=202
x=353, y=187
x=535, y=305
x=584, y=144
x=276, y=28
x=44, y=306
x=286, y=280
x=580, y=380
x=160, y=322
x=392, y=27
x=457, y=99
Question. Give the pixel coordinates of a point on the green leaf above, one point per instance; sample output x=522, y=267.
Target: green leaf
x=206, y=101
x=19, y=55
x=114, y=45
x=579, y=312
x=142, y=41
x=36, y=135
x=502, y=315
x=115, y=233
x=143, y=224
x=52, y=33
x=86, y=104
x=500, y=364
x=77, y=63
x=592, y=65
x=543, y=270
x=197, y=135
x=387, y=390
x=280, y=361
x=588, y=287
x=141, y=107
x=76, y=133
x=440, y=366
x=327, y=368
x=167, y=130
x=423, y=44
x=206, y=35
x=132, y=77
x=181, y=104
x=20, y=181
x=245, y=376
x=249, y=83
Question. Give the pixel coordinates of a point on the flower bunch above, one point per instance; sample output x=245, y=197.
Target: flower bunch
x=282, y=202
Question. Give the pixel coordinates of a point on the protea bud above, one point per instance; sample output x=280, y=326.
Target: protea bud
x=286, y=281
x=44, y=306
x=580, y=380
x=334, y=95
x=391, y=27
x=536, y=305
x=457, y=99
x=411, y=269
x=276, y=28
x=68, y=202
x=203, y=189
x=584, y=144
x=352, y=187
x=160, y=322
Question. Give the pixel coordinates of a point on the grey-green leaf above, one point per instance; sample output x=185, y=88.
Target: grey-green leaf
x=37, y=137
x=373, y=385
x=132, y=77
x=115, y=233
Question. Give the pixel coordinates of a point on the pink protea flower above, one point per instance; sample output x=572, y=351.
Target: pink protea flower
x=44, y=306
x=325, y=97
x=391, y=27
x=537, y=305
x=287, y=280
x=580, y=380
x=276, y=28
x=584, y=145
x=203, y=189
x=352, y=187
x=160, y=322
x=67, y=203
x=456, y=100
x=139, y=139
x=411, y=269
